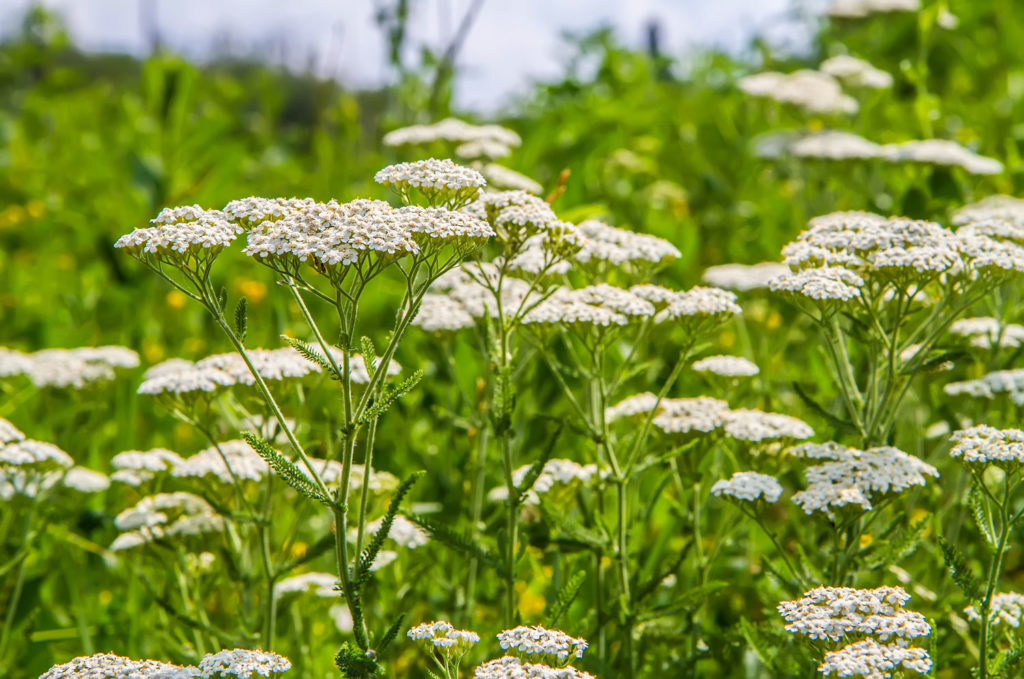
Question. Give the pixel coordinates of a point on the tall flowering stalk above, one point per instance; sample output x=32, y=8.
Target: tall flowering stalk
x=331, y=252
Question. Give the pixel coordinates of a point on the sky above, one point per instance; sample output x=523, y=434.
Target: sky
x=512, y=42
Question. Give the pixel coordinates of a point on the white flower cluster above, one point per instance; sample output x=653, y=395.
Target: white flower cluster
x=833, y=613
x=437, y=179
x=990, y=385
x=452, y=130
x=442, y=313
x=179, y=377
x=749, y=487
x=856, y=72
x=813, y=91
x=744, y=277
x=255, y=209
x=479, y=149
x=872, y=660
x=699, y=303
x=619, y=247
x=706, y=415
x=9, y=433
x=37, y=456
x=110, y=666
x=853, y=477
x=67, y=368
x=982, y=444
x=599, y=305
x=987, y=332
x=834, y=145
x=726, y=366
x=506, y=178
x=182, y=230
x=358, y=373
x=510, y=667
x=137, y=467
x=242, y=663
x=531, y=641
x=820, y=284
x=403, y=531
x=330, y=471
x=1006, y=608
x=227, y=462
x=444, y=638
x=271, y=364
x=320, y=584
x=858, y=9
x=941, y=152
x=1001, y=207
x=557, y=471
x=164, y=515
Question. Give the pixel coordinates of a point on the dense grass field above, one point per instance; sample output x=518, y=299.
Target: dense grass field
x=589, y=413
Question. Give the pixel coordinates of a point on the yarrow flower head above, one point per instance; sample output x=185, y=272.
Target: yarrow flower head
x=749, y=487
x=988, y=332
x=726, y=366
x=179, y=232
x=621, y=247
x=228, y=461
x=990, y=385
x=550, y=645
x=501, y=177
x=813, y=91
x=557, y=473
x=833, y=145
x=452, y=130
x=441, y=638
x=243, y=664
x=322, y=585
x=856, y=72
x=872, y=660
x=982, y=445
x=744, y=277
x=942, y=152
x=834, y=613
x=510, y=667
x=136, y=467
x=441, y=182
x=853, y=477
x=9, y=433
x=1006, y=609
x=110, y=666
x=68, y=368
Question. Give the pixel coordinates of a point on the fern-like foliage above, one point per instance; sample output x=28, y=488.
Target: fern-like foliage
x=241, y=325
x=981, y=516
x=960, y=570
x=369, y=554
x=388, y=398
x=460, y=542
x=564, y=598
x=369, y=351
x=287, y=470
x=315, y=357
x=391, y=633
x=535, y=470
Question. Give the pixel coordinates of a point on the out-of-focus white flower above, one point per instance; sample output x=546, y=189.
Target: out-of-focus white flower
x=744, y=277
x=403, y=532
x=85, y=480
x=726, y=366
x=227, y=461
x=36, y=456
x=833, y=145
x=452, y=130
x=990, y=385
x=988, y=332
x=9, y=433
x=991, y=207
x=69, y=368
x=856, y=72
x=1006, y=608
x=506, y=178
x=483, y=148
x=941, y=152
x=859, y=9
x=813, y=91
x=320, y=584
x=617, y=246
x=556, y=472
x=756, y=426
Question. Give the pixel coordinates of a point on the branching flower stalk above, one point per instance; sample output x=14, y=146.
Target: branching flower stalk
x=347, y=245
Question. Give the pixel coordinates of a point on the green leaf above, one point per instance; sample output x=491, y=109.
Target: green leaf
x=460, y=542
x=369, y=352
x=286, y=469
x=389, y=397
x=980, y=515
x=369, y=554
x=837, y=422
x=240, y=320
x=355, y=663
x=564, y=598
x=753, y=637
x=391, y=633
x=312, y=356
x=960, y=570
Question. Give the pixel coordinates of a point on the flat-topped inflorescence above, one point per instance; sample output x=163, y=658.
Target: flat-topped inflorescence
x=162, y=516
x=1006, y=608
x=726, y=366
x=9, y=433
x=552, y=646
x=836, y=613
x=991, y=385
x=509, y=667
x=187, y=234
x=403, y=532
x=501, y=177
x=999, y=207
x=74, y=368
x=859, y=9
x=36, y=456
x=228, y=462
x=744, y=277
x=442, y=639
x=621, y=247
x=988, y=333
x=243, y=663
x=110, y=666
x=557, y=472
x=452, y=130
x=748, y=487
x=856, y=72
x=982, y=445
x=441, y=182
x=854, y=477
x=813, y=91
x=941, y=152
x=323, y=585
x=872, y=660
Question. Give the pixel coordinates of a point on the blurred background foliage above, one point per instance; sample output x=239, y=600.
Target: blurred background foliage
x=92, y=145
